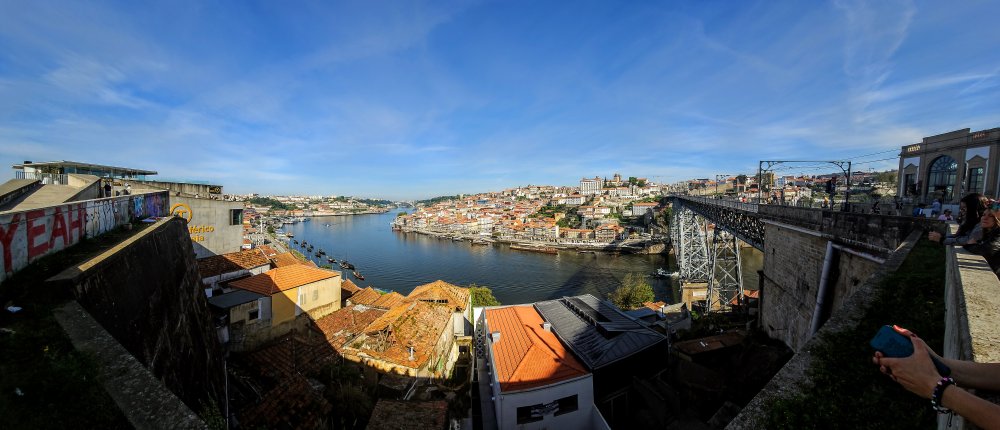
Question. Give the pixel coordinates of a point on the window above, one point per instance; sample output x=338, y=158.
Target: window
x=316, y=294
x=253, y=315
x=236, y=217
x=567, y=405
x=910, y=184
x=975, y=181
x=528, y=414
x=941, y=178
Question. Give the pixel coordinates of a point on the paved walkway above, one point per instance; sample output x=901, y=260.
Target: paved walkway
x=485, y=396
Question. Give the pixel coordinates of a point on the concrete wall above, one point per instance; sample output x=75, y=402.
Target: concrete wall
x=506, y=405
x=147, y=293
x=793, y=263
x=29, y=235
x=972, y=311
x=202, y=190
x=209, y=224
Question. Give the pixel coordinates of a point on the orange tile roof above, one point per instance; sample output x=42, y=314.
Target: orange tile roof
x=344, y=324
x=527, y=356
x=367, y=297
x=654, y=305
x=282, y=278
x=416, y=324
x=348, y=288
x=231, y=262
x=287, y=259
x=441, y=291
x=292, y=404
x=388, y=301
x=268, y=251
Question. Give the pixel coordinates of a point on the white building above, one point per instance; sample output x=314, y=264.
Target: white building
x=535, y=381
x=591, y=186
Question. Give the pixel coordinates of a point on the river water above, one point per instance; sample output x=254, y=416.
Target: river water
x=397, y=261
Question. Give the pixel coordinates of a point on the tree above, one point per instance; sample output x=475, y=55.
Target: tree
x=482, y=296
x=633, y=292
x=886, y=178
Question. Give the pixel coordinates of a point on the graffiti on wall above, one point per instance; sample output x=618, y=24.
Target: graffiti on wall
x=29, y=235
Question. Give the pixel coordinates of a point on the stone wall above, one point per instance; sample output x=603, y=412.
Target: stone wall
x=793, y=265
x=877, y=233
x=793, y=378
x=147, y=293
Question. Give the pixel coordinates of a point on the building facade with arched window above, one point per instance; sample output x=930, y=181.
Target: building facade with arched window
x=950, y=165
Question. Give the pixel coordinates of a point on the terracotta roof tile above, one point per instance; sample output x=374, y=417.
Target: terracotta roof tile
x=268, y=251
x=287, y=259
x=406, y=415
x=654, y=305
x=440, y=292
x=231, y=262
x=417, y=324
x=293, y=404
x=349, y=285
x=345, y=324
x=526, y=356
x=388, y=301
x=282, y=278
x=367, y=297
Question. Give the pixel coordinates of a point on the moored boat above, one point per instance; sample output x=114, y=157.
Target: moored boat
x=358, y=275
x=542, y=249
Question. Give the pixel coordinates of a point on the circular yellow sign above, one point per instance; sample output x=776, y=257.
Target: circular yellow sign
x=182, y=210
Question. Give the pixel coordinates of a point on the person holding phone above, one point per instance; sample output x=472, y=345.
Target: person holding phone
x=918, y=374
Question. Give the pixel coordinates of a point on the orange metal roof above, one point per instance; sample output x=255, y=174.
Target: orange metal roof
x=527, y=356
x=282, y=278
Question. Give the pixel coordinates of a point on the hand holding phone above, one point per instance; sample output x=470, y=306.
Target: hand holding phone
x=894, y=344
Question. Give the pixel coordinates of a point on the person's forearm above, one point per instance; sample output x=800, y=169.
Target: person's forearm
x=980, y=412
x=981, y=376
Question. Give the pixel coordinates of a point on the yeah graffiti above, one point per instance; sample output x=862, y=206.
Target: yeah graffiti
x=30, y=235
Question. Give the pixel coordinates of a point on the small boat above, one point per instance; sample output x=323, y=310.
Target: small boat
x=322, y=252
x=358, y=275
x=331, y=260
x=318, y=256
x=289, y=235
x=294, y=241
x=532, y=248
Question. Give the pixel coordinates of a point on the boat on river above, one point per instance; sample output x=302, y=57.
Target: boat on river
x=358, y=275
x=660, y=273
x=331, y=260
x=534, y=248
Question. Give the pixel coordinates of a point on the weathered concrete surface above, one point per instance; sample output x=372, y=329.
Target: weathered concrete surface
x=793, y=265
x=143, y=399
x=146, y=293
x=972, y=306
x=793, y=376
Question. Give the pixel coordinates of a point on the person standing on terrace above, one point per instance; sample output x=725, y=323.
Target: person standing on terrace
x=918, y=375
x=970, y=213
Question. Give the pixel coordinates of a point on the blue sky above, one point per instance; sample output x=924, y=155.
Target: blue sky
x=416, y=99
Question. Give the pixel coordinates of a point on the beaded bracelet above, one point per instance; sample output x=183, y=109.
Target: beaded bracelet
x=938, y=392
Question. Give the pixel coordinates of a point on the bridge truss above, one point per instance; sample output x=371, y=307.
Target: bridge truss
x=691, y=246
x=726, y=281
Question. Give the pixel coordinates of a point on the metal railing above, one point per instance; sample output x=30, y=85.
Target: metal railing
x=732, y=204
x=46, y=178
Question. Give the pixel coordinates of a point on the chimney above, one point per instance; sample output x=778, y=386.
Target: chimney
x=547, y=326
x=663, y=311
x=495, y=336
x=411, y=354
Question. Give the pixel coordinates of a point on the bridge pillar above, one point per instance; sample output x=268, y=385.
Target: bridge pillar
x=726, y=281
x=691, y=246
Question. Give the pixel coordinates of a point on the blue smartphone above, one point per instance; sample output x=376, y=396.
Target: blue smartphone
x=893, y=344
